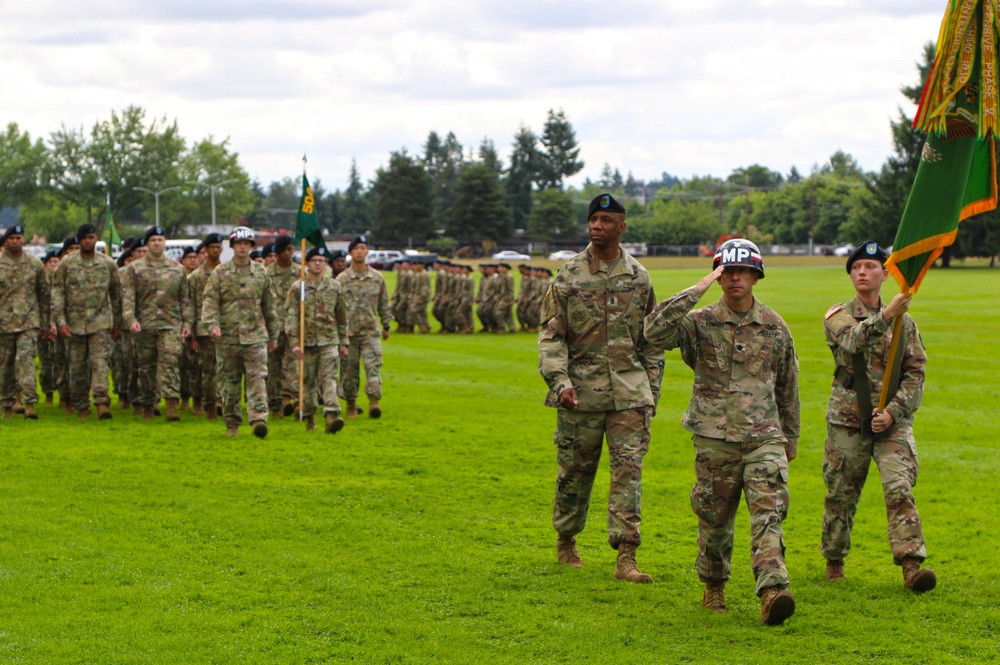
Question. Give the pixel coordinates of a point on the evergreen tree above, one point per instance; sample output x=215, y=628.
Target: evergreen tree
x=524, y=164
x=480, y=210
x=553, y=218
x=404, y=211
x=355, y=208
x=559, y=152
x=442, y=161
x=488, y=155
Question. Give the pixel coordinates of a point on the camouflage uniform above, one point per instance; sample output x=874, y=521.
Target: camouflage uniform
x=592, y=341
x=325, y=332
x=854, y=328
x=441, y=299
x=282, y=366
x=155, y=294
x=47, y=370
x=503, y=302
x=484, y=301
x=204, y=383
x=401, y=296
x=743, y=410
x=240, y=301
x=419, y=294
x=367, y=306
x=24, y=292
x=86, y=297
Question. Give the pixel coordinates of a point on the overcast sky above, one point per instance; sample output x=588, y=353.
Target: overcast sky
x=694, y=87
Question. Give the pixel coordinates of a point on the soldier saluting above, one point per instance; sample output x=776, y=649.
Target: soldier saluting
x=859, y=334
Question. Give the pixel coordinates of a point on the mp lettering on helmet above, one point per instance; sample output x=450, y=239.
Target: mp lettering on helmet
x=735, y=255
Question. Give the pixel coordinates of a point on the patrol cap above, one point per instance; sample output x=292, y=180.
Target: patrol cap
x=357, y=240
x=212, y=238
x=605, y=202
x=16, y=230
x=267, y=250
x=316, y=251
x=867, y=250
x=69, y=242
x=281, y=243
x=154, y=231
x=739, y=252
x=85, y=229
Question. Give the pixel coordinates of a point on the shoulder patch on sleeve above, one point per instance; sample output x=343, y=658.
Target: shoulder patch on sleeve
x=833, y=310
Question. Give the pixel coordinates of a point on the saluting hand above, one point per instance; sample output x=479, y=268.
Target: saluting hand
x=705, y=283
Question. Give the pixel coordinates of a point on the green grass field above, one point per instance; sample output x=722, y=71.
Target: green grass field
x=426, y=535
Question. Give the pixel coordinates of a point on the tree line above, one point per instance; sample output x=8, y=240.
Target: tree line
x=447, y=195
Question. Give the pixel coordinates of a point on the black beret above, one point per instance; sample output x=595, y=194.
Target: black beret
x=189, y=250
x=127, y=242
x=85, y=229
x=49, y=255
x=212, y=238
x=867, y=250
x=607, y=203
x=255, y=254
x=154, y=231
x=127, y=254
x=358, y=240
x=281, y=243
x=316, y=251
x=16, y=230
x=267, y=250
x=69, y=242
x=337, y=254
x=139, y=242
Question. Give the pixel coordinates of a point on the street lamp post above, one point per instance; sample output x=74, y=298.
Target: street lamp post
x=156, y=197
x=212, y=189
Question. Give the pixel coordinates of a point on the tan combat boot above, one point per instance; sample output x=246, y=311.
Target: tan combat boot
x=124, y=404
x=776, y=605
x=374, y=410
x=48, y=399
x=137, y=409
x=835, y=571
x=917, y=579
x=67, y=407
x=567, y=553
x=196, y=408
x=259, y=429
x=83, y=414
x=334, y=423
x=352, y=410
x=233, y=431
x=172, y=410
x=8, y=413
x=19, y=408
x=211, y=409
x=185, y=405
x=29, y=412
x=148, y=413
x=626, y=569
x=103, y=412
x=715, y=596
x=287, y=406
x=311, y=423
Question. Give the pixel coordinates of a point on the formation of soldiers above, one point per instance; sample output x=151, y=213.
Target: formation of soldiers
x=195, y=333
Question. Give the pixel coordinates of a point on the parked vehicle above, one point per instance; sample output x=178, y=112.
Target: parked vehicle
x=510, y=255
x=380, y=258
x=562, y=255
x=843, y=250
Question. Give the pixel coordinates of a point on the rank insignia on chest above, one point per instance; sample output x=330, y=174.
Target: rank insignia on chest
x=613, y=301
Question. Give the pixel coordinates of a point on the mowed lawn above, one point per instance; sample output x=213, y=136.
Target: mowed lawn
x=426, y=535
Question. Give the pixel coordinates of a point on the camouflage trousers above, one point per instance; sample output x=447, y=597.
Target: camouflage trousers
x=17, y=367
x=60, y=367
x=206, y=365
x=503, y=316
x=116, y=365
x=322, y=366
x=191, y=373
x=846, y=459
x=129, y=369
x=46, y=366
x=233, y=362
x=88, y=368
x=282, y=372
x=724, y=470
x=157, y=365
x=485, y=313
x=367, y=350
x=417, y=314
x=579, y=437
x=439, y=310
x=401, y=311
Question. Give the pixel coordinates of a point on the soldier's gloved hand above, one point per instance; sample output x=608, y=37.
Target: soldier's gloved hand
x=568, y=399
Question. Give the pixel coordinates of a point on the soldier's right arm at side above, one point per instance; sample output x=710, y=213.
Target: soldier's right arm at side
x=43, y=293
x=553, y=350
x=128, y=298
x=57, y=294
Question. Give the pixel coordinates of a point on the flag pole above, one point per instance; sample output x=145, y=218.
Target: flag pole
x=302, y=317
x=897, y=328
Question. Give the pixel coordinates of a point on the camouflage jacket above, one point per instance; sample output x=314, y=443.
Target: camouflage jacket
x=506, y=290
x=420, y=288
x=196, y=282
x=325, y=313
x=591, y=337
x=402, y=290
x=440, y=285
x=281, y=281
x=746, y=385
x=240, y=301
x=87, y=295
x=854, y=327
x=155, y=294
x=24, y=292
x=367, y=301
x=465, y=290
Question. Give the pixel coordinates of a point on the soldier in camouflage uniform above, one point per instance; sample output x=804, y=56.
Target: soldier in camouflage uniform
x=203, y=344
x=326, y=339
x=46, y=347
x=190, y=373
x=484, y=299
x=367, y=310
x=503, y=303
x=239, y=312
x=24, y=292
x=440, y=303
x=744, y=417
x=157, y=311
x=604, y=377
x=859, y=334
x=87, y=311
x=401, y=296
x=419, y=295
x=59, y=346
x=282, y=369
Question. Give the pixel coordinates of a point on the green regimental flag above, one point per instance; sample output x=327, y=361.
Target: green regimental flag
x=307, y=223
x=959, y=110
x=110, y=234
